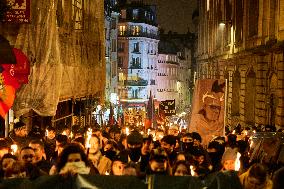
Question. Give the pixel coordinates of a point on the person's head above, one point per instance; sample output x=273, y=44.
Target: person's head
x=187, y=141
x=50, y=132
x=61, y=141
x=130, y=169
x=196, y=139
x=27, y=155
x=134, y=145
x=118, y=165
x=20, y=129
x=38, y=147
x=94, y=144
x=159, y=135
x=256, y=177
x=158, y=161
x=146, y=145
x=72, y=153
x=229, y=158
x=173, y=130
x=7, y=161
x=115, y=133
x=181, y=168
x=168, y=143
x=4, y=147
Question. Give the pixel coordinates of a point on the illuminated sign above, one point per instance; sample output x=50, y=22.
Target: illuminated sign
x=168, y=107
x=20, y=11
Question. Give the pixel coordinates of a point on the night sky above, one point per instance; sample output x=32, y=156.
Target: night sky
x=175, y=15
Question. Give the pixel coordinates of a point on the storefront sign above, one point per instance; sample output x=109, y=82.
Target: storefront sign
x=20, y=11
x=168, y=107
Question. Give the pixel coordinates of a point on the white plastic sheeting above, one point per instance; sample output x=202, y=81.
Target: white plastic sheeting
x=65, y=63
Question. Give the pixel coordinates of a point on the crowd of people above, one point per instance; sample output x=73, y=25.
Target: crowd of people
x=115, y=150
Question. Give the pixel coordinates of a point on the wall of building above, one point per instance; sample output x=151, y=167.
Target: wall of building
x=137, y=54
x=248, y=52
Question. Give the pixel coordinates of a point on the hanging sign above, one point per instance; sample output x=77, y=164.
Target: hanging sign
x=20, y=11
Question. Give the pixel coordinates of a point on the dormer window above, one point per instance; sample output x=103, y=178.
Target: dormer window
x=135, y=14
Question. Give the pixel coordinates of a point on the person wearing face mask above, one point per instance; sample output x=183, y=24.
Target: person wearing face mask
x=215, y=153
x=186, y=142
x=133, y=151
x=158, y=164
x=168, y=144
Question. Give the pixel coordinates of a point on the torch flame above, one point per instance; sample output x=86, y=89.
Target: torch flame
x=238, y=162
x=89, y=135
x=14, y=149
x=127, y=131
x=192, y=171
x=106, y=173
x=46, y=132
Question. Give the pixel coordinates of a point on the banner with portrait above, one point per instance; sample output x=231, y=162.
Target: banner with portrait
x=207, y=117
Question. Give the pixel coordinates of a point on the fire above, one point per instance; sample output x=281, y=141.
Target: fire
x=46, y=132
x=192, y=171
x=64, y=133
x=14, y=149
x=127, y=131
x=238, y=162
x=89, y=135
x=106, y=173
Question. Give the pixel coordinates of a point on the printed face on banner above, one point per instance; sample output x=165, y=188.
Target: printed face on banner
x=208, y=109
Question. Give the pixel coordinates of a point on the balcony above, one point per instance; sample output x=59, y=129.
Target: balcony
x=138, y=34
x=140, y=82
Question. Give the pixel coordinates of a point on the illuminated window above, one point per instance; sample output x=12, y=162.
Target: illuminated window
x=135, y=30
x=122, y=30
x=77, y=14
x=135, y=14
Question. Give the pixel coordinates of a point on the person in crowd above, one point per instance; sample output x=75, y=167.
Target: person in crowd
x=115, y=133
x=118, y=164
x=181, y=168
x=40, y=156
x=60, y=142
x=256, y=177
x=110, y=149
x=19, y=134
x=197, y=140
x=158, y=163
x=187, y=143
x=133, y=152
x=232, y=141
x=174, y=130
x=35, y=133
x=102, y=163
x=6, y=164
x=122, y=144
x=278, y=181
x=73, y=160
x=168, y=143
x=4, y=147
x=159, y=135
x=27, y=160
x=215, y=152
x=228, y=159
x=49, y=142
x=130, y=169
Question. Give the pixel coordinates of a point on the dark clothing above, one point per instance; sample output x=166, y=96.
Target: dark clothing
x=33, y=172
x=49, y=147
x=44, y=165
x=20, y=141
